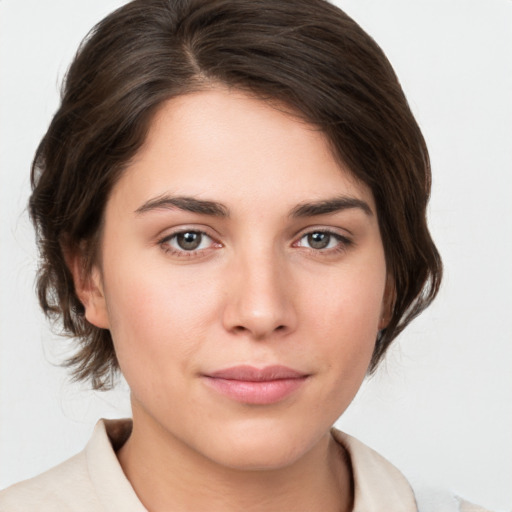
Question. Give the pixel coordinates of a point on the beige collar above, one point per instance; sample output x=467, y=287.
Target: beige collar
x=378, y=485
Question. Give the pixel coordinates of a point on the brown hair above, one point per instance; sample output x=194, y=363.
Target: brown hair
x=305, y=54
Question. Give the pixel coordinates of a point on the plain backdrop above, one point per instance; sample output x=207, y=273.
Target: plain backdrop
x=440, y=406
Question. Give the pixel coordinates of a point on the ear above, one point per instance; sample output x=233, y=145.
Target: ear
x=89, y=289
x=388, y=302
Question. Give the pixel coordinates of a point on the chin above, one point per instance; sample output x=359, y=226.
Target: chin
x=256, y=458
x=261, y=447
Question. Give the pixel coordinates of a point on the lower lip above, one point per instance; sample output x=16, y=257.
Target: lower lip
x=256, y=392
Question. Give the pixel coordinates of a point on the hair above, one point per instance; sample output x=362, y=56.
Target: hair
x=307, y=55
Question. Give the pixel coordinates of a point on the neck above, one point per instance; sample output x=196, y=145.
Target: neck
x=168, y=475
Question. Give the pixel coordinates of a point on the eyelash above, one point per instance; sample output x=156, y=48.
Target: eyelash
x=164, y=243
x=343, y=243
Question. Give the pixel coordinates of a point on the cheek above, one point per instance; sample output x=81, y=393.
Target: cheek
x=348, y=301
x=157, y=318
x=344, y=318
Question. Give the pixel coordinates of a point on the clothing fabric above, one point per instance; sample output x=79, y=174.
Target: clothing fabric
x=93, y=480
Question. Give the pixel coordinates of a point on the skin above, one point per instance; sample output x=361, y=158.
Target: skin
x=255, y=292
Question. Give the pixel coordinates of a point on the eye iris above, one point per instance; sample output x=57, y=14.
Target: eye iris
x=189, y=241
x=319, y=240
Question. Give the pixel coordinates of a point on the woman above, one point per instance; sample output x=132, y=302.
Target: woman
x=231, y=209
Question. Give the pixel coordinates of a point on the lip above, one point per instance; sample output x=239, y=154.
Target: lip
x=256, y=386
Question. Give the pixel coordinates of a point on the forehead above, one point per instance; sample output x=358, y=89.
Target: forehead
x=235, y=147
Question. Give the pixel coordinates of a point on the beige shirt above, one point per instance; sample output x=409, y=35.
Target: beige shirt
x=93, y=480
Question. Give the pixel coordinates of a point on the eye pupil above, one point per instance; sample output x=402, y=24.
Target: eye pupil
x=189, y=240
x=319, y=240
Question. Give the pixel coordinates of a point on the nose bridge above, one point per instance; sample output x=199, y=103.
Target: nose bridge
x=259, y=298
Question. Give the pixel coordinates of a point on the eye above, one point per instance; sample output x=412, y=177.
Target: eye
x=323, y=240
x=187, y=241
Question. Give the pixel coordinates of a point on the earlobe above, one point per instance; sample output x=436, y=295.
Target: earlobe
x=94, y=300
x=89, y=289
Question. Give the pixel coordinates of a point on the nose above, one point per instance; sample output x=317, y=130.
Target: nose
x=260, y=298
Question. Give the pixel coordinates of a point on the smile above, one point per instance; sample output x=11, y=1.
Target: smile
x=254, y=386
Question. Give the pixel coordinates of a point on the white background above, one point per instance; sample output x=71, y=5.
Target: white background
x=440, y=406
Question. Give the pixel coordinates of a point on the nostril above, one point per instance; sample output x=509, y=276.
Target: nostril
x=240, y=329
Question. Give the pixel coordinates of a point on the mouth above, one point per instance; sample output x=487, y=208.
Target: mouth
x=256, y=386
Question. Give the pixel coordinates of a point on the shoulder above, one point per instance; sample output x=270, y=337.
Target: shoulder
x=379, y=485
x=64, y=487
x=466, y=506
x=435, y=500
x=92, y=480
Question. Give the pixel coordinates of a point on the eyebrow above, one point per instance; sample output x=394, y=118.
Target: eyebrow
x=188, y=204
x=327, y=206
x=204, y=207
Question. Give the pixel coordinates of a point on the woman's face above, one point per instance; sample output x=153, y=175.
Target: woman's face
x=243, y=280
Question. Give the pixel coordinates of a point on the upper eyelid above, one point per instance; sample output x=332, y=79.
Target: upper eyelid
x=170, y=236
x=336, y=231
x=170, y=232
x=341, y=238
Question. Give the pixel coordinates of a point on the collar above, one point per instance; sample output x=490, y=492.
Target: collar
x=378, y=485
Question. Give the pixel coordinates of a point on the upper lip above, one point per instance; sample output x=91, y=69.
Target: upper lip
x=252, y=374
